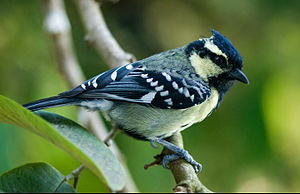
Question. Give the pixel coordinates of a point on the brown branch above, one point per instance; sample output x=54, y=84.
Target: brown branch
x=58, y=27
x=99, y=36
x=184, y=173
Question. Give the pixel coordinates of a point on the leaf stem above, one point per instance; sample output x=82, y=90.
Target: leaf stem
x=74, y=175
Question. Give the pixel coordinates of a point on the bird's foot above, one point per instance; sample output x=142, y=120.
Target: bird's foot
x=179, y=153
x=111, y=135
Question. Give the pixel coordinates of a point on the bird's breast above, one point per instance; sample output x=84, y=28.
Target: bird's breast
x=201, y=111
x=150, y=123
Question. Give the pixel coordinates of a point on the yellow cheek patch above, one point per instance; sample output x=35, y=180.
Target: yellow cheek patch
x=204, y=66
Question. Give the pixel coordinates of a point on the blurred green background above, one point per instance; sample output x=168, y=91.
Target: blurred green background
x=252, y=143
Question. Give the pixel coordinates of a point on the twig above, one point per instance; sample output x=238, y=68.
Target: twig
x=58, y=28
x=98, y=35
x=74, y=175
x=158, y=161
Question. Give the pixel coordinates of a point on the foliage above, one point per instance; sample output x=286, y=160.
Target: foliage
x=249, y=144
x=34, y=178
x=69, y=136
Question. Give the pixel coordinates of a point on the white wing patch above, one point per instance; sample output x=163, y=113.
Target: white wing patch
x=145, y=76
x=149, y=80
x=169, y=101
x=129, y=67
x=114, y=75
x=101, y=104
x=159, y=88
x=148, y=97
x=186, y=92
x=167, y=76
x=175, y=85
x=94, y=82
x=153, y=84
x=164, y=93
x=180, y=90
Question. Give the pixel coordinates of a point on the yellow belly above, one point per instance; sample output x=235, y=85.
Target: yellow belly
x=153, y=123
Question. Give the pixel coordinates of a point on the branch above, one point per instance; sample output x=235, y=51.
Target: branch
x=58, y=27
x=185, y=177
x=98, y=35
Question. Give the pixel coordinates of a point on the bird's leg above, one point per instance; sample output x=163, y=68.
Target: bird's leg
x=74, y=175
x=178, y=153
x=111, y=135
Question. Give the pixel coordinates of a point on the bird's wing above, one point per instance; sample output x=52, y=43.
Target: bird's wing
x=143, y=86
x=102, y=80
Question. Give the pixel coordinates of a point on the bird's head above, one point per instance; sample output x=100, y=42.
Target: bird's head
x=216, y=61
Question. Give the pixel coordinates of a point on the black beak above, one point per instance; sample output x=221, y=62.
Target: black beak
x=237, y=74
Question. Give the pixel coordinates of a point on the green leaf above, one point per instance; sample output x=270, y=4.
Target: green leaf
x=70, y=137
x=34, y=178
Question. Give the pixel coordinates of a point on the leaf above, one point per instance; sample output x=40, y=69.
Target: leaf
x=70, y=137
x=34, y=178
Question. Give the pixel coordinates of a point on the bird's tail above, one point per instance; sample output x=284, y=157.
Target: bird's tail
x=51, y=102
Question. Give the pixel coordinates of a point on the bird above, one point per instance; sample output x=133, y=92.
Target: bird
x=155, y=97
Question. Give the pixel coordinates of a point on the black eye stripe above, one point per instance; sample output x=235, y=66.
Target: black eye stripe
x=217, y=59
x=220, y=61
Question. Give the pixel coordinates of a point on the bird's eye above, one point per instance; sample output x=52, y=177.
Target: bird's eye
x=220, y=61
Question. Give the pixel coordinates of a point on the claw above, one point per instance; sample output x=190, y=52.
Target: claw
x=179, y=153
x=185, y=155
x=153, y=145
x=164, y=164
x=197, y=167
x=167, y=159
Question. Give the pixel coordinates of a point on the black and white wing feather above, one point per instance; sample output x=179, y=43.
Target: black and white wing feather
x=102, y=80
x=134, y=83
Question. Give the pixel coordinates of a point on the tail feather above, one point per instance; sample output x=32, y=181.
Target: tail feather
x=50, y=102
